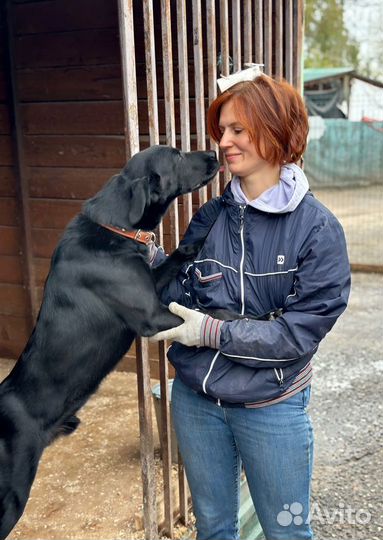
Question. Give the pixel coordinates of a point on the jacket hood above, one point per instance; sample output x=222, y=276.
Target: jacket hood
x=279, y=199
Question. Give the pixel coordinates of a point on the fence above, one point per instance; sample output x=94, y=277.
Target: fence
x=344, y=163
x=224, y=35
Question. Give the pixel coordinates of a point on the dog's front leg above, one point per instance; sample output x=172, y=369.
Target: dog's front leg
x=169, y=269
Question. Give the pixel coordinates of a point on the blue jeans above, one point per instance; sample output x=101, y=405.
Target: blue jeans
x=275, y=446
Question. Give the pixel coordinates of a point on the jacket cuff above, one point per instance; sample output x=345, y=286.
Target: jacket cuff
x=210, y=332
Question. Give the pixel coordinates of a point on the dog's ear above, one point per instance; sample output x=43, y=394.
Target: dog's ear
x=139, y=196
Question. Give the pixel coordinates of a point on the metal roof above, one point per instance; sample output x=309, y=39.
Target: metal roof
x=315, y=74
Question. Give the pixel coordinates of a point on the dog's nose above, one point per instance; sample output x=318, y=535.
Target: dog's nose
x=212, y=154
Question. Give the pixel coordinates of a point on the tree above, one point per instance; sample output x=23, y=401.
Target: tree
x=327, y=42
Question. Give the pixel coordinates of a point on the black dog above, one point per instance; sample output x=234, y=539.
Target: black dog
x=99, y=295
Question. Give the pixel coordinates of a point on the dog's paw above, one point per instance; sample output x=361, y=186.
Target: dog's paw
x=69, y=426
x=190, y=251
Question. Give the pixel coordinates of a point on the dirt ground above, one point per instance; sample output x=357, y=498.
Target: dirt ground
x=88, y=485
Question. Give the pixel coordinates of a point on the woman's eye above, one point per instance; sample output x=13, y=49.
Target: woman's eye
x=238, y=130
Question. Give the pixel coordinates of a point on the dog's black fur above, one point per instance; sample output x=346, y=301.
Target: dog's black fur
x=99, y=295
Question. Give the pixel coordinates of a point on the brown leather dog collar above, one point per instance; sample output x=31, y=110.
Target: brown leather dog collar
x=143, y=237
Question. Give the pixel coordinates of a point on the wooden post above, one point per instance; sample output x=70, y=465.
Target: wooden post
x=22, y=191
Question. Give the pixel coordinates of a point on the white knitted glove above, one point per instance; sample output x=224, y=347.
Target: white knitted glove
x=197, y=330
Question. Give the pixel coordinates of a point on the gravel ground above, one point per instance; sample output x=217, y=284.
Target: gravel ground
x=347, y=412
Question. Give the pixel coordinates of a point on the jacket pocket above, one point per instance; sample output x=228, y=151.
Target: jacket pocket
x=207, y=279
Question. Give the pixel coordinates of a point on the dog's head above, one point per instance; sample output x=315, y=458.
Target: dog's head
x=139, y=196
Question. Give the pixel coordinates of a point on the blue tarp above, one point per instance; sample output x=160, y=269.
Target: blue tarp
x=342, y=153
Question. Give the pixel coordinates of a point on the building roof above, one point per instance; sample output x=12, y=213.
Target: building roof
x=316, y=74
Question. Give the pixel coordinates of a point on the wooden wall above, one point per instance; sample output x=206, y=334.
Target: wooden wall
x=67, y=76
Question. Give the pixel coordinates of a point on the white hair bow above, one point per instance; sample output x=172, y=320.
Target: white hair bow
x=252, y=72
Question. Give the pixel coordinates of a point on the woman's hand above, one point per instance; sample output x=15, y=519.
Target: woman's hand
x=198, y=329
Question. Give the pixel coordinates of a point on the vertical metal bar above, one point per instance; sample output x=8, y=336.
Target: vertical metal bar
x=183, y=491
x=212, y=73
x=258, y=31
x=128, y=59
x=268, y=32
x=298, y=18
x=225, y=56
x=151, y=77
x=183, y=72
x=199, y=86
x=247, y=38
x=146, y=439
x=289, y=40
x=236, y=24
x=126, y=23
x=22, y=193
x=278, y=38
x=167, y=55
x=166, y=441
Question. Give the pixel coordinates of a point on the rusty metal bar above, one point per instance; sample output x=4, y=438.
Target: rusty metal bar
x=167, y=56
x=166, y=441
x=236, y=25
x=126, y=23
x=151, y=77
x=183, y=491
x=146, y=439
x=258, y=32
x=298, y=17
x=128, y=60
x=183, y=74
x=268, y=34
x=247, y=34
x=225, y=57
x=199, y=86
x=211, y=35
x=22, y=193
x=278, y=43
x=288, y=28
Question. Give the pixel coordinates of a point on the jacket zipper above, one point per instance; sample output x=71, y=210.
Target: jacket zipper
x=241, y=227
x=279, y=376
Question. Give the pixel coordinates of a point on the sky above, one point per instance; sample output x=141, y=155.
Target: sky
x=364, y=21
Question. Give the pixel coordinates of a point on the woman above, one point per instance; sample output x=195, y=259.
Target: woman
x=277, y=257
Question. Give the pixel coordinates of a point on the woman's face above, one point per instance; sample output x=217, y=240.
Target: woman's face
x=239, y=151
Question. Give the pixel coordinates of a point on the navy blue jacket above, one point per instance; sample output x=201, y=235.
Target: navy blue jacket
x=252, y=263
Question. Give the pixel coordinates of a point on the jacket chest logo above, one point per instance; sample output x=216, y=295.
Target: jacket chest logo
x=281, y=259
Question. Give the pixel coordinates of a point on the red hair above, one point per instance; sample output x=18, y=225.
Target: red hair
x=272, y=112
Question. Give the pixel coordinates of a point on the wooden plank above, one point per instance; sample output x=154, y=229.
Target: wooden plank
x=5, y=124
x=44, y=241
x=52, y=214
x=10, y=241
x=71, y=83
x=13, y=300
x=11, y=269
x=67, y=182
x=77, y=48
x=75, y=151
x=8, y=211
x=8, y=182
x=298, y=10
x=41, y=267
x=56, y=16
x=6, y=152
x=211, y=32
x=3, y=86
x=14, y=328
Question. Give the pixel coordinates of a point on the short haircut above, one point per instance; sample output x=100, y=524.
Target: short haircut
x=272, y=112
